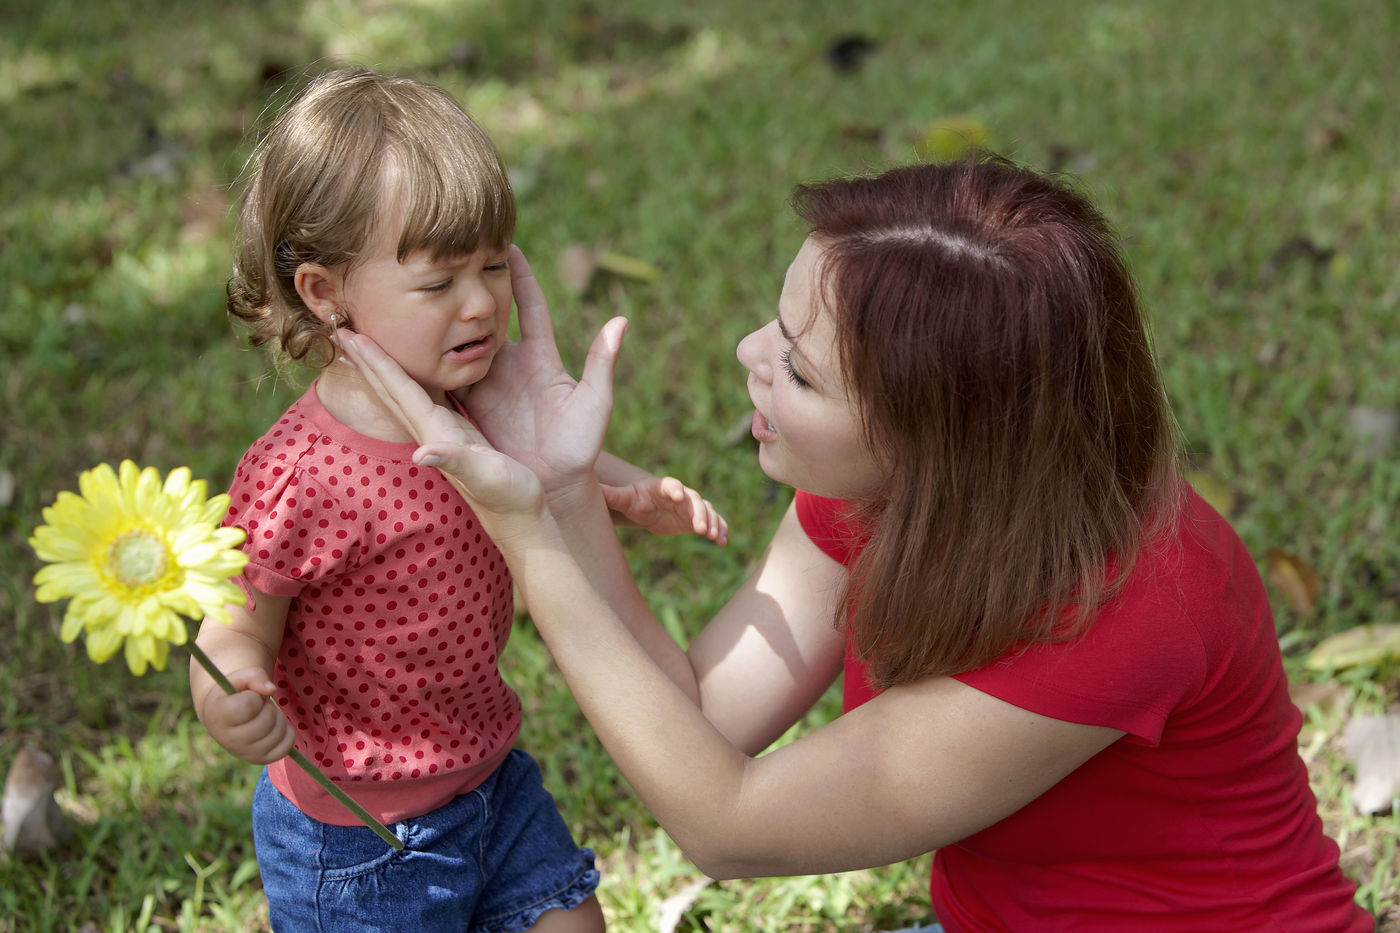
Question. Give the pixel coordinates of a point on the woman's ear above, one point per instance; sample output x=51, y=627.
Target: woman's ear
x=319, y=289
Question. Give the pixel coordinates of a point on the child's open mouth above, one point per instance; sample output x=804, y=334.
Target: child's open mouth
x=471, y=350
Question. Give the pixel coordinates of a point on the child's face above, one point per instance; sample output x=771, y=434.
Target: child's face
x=443, y=322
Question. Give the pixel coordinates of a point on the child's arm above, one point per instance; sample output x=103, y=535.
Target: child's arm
x=661, y=505
x=251, y=728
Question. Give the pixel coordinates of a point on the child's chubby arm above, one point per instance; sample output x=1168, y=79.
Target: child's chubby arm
x=662, y=505
x=251, y=728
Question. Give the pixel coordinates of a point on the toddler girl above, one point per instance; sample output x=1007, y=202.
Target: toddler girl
x=378, y=607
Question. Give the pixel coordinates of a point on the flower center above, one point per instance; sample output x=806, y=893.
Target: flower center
x=138, y=558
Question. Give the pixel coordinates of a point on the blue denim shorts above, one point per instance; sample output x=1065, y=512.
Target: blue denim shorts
x=489, y=861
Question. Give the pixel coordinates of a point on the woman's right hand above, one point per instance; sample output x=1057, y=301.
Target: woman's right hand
x=529, y=407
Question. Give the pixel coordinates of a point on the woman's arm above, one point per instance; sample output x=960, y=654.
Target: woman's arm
x=920, y=766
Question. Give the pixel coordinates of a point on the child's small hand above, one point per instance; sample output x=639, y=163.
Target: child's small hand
x=245, y=723
x=666, y=506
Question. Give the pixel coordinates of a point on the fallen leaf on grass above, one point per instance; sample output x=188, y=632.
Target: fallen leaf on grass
x=1213, y=489
x=1325, y=696
x=1373, y=745
x=1295, y=579
x=629, y=267
x=33, y=821
x=673, y=908
x=949, y=138
x=1364, y=644
x=578, y=265
x=1375, y=429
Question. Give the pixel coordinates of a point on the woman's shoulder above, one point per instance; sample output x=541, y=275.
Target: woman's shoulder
x=1191, y=617
x=1198, y=572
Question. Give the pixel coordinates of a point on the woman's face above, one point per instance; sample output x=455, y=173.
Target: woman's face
x=807, y=426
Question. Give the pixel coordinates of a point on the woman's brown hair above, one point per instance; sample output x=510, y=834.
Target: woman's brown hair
x=352, y=145
x=990, y=334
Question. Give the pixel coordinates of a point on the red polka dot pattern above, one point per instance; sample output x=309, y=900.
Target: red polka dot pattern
x=402, y=604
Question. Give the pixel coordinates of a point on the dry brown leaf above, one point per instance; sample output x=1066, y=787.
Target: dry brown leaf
x=1375, y=429
x=1364, y=644
x=33, y=821
x=576, y=267
x=673, y=908
x=1293, y=577
x=1373, y=745
x=629, y=267
x=1325, y=696
x=950, y=137
x=1213, y=489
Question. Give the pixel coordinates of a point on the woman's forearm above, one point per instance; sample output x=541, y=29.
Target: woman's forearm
x=682, y=767
x=580, y=519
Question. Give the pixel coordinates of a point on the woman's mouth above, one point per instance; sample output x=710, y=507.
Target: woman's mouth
x=763, y=428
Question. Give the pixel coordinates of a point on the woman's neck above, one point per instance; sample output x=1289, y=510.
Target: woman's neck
x=351, y=401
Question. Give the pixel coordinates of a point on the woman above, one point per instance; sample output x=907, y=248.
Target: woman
x=1060, y=667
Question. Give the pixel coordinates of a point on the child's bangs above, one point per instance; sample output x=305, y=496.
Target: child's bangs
x=455, y=205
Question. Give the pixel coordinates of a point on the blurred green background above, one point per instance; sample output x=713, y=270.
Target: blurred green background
x=1246, y=152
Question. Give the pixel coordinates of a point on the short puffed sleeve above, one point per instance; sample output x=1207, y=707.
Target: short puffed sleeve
x=298, y=531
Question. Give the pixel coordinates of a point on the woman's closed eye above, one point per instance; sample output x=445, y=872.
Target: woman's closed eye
x=786, y=357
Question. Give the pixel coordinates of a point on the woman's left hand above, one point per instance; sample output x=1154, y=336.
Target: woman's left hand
x=496, y=486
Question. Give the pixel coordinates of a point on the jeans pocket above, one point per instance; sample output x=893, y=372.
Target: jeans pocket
x=350, y=851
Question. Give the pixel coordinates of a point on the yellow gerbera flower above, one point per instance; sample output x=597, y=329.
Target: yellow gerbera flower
x=135, y=557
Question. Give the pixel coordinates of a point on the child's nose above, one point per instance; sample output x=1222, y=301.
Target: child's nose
x=478, y=301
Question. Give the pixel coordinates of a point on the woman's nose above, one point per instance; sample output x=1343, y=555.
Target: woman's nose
x=752, y=353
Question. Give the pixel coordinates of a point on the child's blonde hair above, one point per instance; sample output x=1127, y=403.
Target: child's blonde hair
x=324, y=174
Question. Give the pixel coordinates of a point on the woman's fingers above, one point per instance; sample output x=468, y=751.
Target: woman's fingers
x=406, y=398
x=530, y=302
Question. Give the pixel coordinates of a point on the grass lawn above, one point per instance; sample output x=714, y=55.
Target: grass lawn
x=1247, y=153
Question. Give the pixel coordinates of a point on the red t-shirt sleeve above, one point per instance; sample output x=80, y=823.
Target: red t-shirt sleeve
x=1135, y=666
x=1129, y=672
x=297, y=531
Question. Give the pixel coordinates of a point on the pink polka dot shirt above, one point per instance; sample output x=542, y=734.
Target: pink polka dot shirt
x=401, y=606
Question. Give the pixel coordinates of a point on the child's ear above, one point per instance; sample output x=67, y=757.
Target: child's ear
x=319, y=289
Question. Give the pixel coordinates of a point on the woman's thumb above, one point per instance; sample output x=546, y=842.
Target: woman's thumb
x=602, y=357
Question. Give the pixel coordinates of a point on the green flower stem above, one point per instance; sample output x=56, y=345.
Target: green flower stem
x=379, y=828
